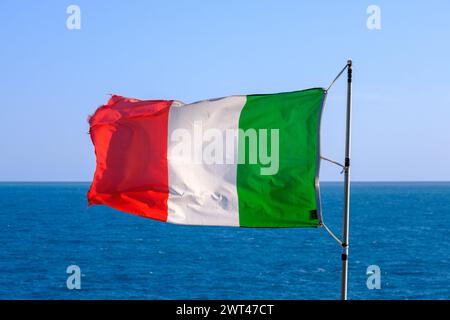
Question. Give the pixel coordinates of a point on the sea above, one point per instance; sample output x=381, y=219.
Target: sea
x=399, y=234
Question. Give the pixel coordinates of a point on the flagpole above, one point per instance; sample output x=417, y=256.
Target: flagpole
x=346, y=222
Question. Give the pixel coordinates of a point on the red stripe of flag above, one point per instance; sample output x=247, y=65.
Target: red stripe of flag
x=130, y=140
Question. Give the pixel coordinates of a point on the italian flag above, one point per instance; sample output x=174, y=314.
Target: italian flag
x=248, y=161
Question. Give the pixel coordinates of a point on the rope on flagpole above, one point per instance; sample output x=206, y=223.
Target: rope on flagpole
x=337, y=77
x=332, y=234
x=332, y=161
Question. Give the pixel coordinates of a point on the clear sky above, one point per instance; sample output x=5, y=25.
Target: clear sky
x=52, y=78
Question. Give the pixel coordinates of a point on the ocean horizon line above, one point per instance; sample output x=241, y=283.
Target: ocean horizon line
x=324, y=181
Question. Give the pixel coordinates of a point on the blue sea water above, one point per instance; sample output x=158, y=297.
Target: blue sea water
x=45, y=227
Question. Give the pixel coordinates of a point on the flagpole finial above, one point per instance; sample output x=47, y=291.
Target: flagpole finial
x=349, y=62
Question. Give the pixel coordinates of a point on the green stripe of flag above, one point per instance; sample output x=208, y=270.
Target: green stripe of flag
x=289, y=197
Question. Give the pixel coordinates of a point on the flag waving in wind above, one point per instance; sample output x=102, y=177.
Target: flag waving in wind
x=249, y=161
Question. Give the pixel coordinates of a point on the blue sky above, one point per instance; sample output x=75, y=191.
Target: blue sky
x=52, y=78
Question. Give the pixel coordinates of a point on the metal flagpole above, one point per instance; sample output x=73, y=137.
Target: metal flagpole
x=345, y=227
